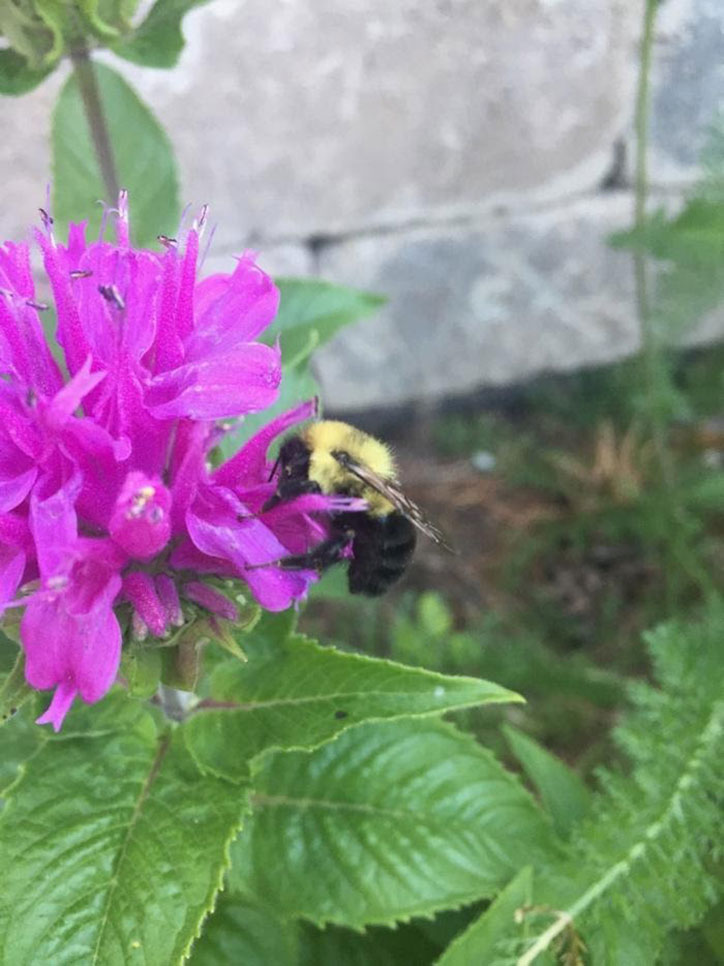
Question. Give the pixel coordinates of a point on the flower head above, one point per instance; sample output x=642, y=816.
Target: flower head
x=107, y=500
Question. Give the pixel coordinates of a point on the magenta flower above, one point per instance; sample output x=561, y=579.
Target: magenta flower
x=107, y=500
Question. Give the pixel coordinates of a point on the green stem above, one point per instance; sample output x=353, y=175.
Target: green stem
x=650, y=347
x=672, y=524
x=90, y=95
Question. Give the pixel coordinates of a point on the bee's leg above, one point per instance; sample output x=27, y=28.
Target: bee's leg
x=324, y=555
x=289, y=489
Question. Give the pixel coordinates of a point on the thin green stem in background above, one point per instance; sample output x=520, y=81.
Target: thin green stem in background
x=681, y=557
x=650, y=348
x=90, y=95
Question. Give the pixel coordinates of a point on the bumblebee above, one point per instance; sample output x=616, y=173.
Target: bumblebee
x=335, y=458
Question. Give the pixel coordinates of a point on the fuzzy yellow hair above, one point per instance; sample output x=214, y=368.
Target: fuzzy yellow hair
x=327, y=436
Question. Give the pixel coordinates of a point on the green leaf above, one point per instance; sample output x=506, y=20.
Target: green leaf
x=334, y=946
x=54, y=16
x=640, y=864
x=332, y=585
x=15, y=691
x=141, y=667
x=158, y=41
x=564, y=795
x=392, y=820
x=19, y=740
x=35, y=31
x=16, y=74
x=245, y=933
x=143, y=155
x=312, y=311
x=112, y=844
x=181, y=665
x=106, y=19
x=9, y=648
x=296, y=694
x=477, y=945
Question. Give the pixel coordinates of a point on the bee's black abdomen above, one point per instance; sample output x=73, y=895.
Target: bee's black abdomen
x=382, y=548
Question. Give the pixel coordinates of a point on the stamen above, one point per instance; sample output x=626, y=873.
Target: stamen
x=81, y=273
x=123, y=204
x=166, y=241
x=207, y=247
x=38, y=306
x=200, y=222
x=140, y=499
x=122, y=220
x=111, y=294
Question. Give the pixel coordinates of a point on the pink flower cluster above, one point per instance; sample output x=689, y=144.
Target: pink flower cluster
x=106, y=493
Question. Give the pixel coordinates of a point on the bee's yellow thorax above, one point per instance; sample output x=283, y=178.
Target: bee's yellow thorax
x=327, y=436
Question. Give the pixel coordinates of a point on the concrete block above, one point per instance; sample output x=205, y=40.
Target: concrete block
x=688, y=87
x=484, y=305
x=300, y=118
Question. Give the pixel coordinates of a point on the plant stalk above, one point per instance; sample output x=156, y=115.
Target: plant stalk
x=90, y=95
x=650, y=347
x=672, y=535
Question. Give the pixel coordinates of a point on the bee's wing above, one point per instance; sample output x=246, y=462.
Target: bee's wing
x=392, y=492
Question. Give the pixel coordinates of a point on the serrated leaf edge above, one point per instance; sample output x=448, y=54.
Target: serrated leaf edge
x=429, y=910
x=216, y=891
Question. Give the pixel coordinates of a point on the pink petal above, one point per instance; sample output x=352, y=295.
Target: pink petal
x=228, y=385
x=187, y=469
x=25, y=347
x=186, y=294
x=232, y=309
x=70, y=329
x=249, y=465
x=54, y=525
x=76, y=243
x=16, y=476
x=211, y=599
x=168, y=349
x=15, y=424
x=14, y=531
x=12, y=565
x=140, y=590
x=141, y=518
x=69, y=398
x=121, y=409
x=60, y=705
x=246, y=543
x=169, y=598
x=78, y=653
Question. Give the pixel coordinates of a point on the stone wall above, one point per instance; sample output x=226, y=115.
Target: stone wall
x=467, y=158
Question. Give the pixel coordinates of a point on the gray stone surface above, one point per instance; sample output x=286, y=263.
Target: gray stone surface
x=502, y=300
x=302, y=118
x=688, y=86
x=25, y=155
